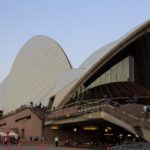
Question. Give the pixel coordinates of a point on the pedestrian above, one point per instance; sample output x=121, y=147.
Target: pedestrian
x=56, y=141
x=31, y=138
x=135, y=99
x=146, y=111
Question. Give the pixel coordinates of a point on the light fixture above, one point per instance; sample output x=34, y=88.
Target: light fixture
x=108, y=134
x=75, y=129
x=129, y=135
x=90, y=128
x=109, y=128
x=54, y=127
x=137, y=136
x=106, y=130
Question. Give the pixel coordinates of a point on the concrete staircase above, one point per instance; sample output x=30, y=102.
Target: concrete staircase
x=128, y=116
x=133, y=115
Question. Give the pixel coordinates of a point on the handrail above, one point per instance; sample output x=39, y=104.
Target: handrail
x=94, y=106
x=127, y=117
x=79, y=103
x=133, y=146
x=77, y=108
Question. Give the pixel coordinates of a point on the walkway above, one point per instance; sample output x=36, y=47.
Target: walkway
x=14, y=147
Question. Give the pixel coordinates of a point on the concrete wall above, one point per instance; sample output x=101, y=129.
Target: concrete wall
x=32, y=126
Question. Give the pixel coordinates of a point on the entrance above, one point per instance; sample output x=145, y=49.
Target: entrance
x=92, y=133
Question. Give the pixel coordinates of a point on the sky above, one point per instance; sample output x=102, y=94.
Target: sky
x=79, y=26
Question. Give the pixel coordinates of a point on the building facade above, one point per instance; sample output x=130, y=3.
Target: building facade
x=26, y=121
x=102, y=98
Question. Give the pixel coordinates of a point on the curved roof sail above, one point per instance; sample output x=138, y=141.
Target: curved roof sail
x=39, y=65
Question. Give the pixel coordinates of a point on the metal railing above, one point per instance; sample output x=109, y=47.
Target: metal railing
x=135, y=146
x=81, y=108
x=106, y=105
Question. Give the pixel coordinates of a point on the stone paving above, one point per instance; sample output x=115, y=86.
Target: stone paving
x=50, y=147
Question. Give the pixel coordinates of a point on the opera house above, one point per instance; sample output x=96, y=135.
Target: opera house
x=102, y=98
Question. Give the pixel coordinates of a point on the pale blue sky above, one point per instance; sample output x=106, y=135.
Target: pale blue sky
x=79, y=26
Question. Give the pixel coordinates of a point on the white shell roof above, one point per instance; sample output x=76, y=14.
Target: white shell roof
x=42, y=70
x=106, y=52
x=97, y=55
x=100, y=53
x=64, y=81
x=38, y=66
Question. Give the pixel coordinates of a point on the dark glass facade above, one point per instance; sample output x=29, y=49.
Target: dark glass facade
x=120, y=72
x=124, y=74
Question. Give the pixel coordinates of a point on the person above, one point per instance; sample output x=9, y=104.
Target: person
x=130, y=100
x=135, y=99
x=146, y=111
x=56, y=141
x=31, y=138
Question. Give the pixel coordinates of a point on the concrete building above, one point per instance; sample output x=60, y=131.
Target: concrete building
x=103, y=98
x=26, y=121
x=118, y=72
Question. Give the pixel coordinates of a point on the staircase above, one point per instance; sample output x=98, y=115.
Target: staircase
x=133, y=115
x=128, y=116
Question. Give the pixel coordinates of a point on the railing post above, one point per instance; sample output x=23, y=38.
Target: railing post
x=8, y=145
x=108, y=147
x=19, y=145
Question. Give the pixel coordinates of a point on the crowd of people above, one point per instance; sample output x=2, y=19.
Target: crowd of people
x=10, y=137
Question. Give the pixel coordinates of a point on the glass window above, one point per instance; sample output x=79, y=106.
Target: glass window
x=131, y=68
x=93, y=84
x=97, y=82
x=125, y=69
x=103, y=79
x=108, y=78
x=119, y=71
x=113, y=74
